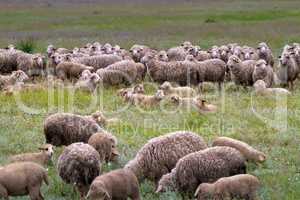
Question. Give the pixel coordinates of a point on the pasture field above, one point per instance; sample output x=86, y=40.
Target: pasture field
x=268, y=123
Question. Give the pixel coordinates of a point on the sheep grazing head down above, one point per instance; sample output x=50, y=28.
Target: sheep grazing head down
x=48, y=148
x=98, y=191
x=19, y=76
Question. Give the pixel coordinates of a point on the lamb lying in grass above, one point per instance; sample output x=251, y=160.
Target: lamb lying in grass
x=168, y=89
x=261, y=89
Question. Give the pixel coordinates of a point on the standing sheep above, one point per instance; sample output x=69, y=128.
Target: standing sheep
x=117, y=184
x=264, y=52
x=70, y=70
x=288, y=70
x=160, y=155
x=264, y=72
x=65, y=128
x=249, y=152
x=22, y=178
x=261, y=89
x=201, y=167
x=98, y=61
x=249, y=53
x=243, y=186
x=79, y=164
x=32, y=65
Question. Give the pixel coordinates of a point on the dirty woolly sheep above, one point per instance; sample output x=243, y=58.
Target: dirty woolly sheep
x=264, y=72
x=70, y=70
x=79, y=164
x=242, y=186
x=248, y=151
x=22, y=178
x=31, y=64
x=261, y=89
x=203, y=166
x=288, y=70
x=159, y=155
x=265, y=53
x=117, y=184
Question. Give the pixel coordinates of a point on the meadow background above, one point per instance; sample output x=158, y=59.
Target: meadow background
x=159, y=24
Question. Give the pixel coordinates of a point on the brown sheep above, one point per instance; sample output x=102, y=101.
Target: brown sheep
x=249, y=152
x=264, y=52
x=115, y=185
x=32, y=65
x=264, y=72
x=288, y=69
x=70, y=70
x=22, y=178
x=242, y=186
x=16, y=77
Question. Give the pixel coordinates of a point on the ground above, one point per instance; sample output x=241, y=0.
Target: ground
x=268, y=123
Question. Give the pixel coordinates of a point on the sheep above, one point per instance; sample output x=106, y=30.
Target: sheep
x=159, y=155
x=65, y=128
x=51, y=50
x=139, y=51
x=242, y=186
x=261, y=89
x=146, y=100
x=249, y=53
x=17, y=77
x=32, y=65
x=264, y=72
x=112, y=77
x=117, y=184
x=53, y=61
x=224, y=53
x=168, y=90
x=182, y=72
x=105, y=143
x=22, y=178
x=264, y=52
x=214, y=52
x=203, y=166
x=241, y=71
x=79, y=164
x=249, y=152
x=183, y=101
x=177, y=53
x=88, y=83
x=237, y=51
x=8, y=61
x=205, y=108
x=162, y=56
x=70, y=70
x=98, y=61
x=42, y=158
x=288, y=69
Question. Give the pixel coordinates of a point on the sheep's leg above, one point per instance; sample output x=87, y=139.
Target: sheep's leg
x=41, y=196
x=3, y=193
x=34, y=193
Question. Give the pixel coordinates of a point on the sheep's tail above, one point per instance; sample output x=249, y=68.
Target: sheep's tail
x=45, y=177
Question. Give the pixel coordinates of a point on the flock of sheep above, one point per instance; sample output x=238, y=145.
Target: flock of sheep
x=179, y=161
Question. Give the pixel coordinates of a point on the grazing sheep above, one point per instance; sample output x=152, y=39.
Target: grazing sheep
x=105, y=143
x=288, y=69
x=241, y=71
x=265, y=53
x=117, y=184
x=249, y=53
x=146, y=100
x=22, y=178
x=160, y=155
x=243, y=186
x=65, y=128
x=17, y=77
x=32, y=65
x=201, y=167
x=112, y=77
x=79, y=164
x=70, y=70
x=261, y=88
x=264, y=72
x=168, y=90
x=90, y=83
x=98, y=61
x=42, y=158
x=249, y=152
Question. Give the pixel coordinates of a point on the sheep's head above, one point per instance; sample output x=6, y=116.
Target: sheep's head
x=19, y=76
x=186, y=45
x=166, y=183
x=261, y=157
x=48, y=148
x=237, y=51
x=85, y=75
x=194, y=50
x=139, y=89
x=233, y=61
x=98, y=191
x=166, y=86
x=94, y=78
x=224, y=51
x=260, y=66
x=99, y=118
x=248, y=53
x=204, y=191
x=107, y=48
x=147, y=58
x=285, y=58
x=56, y=58
x=214, y=52
x=38, y=59
x=259, y=84
x=262, y=48
x=50, y=49
x=232, y=46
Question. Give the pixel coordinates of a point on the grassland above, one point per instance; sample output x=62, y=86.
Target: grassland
x=161, y=25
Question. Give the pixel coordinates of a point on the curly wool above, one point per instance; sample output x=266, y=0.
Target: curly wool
x=98, y=61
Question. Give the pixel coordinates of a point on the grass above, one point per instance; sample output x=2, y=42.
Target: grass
x=257, y=120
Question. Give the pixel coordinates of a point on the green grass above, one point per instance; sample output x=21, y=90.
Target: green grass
x=161, y=26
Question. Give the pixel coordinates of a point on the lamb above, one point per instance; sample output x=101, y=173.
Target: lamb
x=261, y=89
x=249, y=53
x=22, y=178
x=243, y=186
x=32, y=65
x=17, y=77
x=79, y=164
x=70, y=70
x=264, y=72
x=205, y=108
x=127, y=93
x=184, y=101
x=241, y=71
x=65, y=128
x=105, y=143
x=146, y=100
x=42, y=158
x=288, y=69
x=98, y=61
x=203, y=166
x=249, y=152
x=168, y=90
x=264, y=52
x=117, y=184
x=159, y=155
x=89, y=83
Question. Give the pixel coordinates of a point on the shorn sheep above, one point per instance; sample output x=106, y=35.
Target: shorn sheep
x=160, y=155
x=42, y=158
x=249, y=152
x=79, y=164
x=261, y=89
x=66, y=128
x=22, y=178
x=242, y=186
x=203, y=166
x=117, y=184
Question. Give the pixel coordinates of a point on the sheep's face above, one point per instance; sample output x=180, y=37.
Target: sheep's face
x=259, y=84
x=262, y=48
x=204, y=191
x=48, y=148
x=162, y=56
x=248, y=53
x=50, y=49
x=186, y=45
x=224, y=51
x=147, y=58
x=114, y=151
x=98, y=191
x=20, y=76
x=237, y=51
x=284, y=59
x=94, y=78
x=139, y=89
x=261, y=157
x=232, y=46
x=38, y=60
x=214, y=52
x=85, y=75
x=107, y=48
x=260, y=66
x=166, y=183
x=297, y=51
x=166, y=86
x=233, y=61
x=99, y=118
